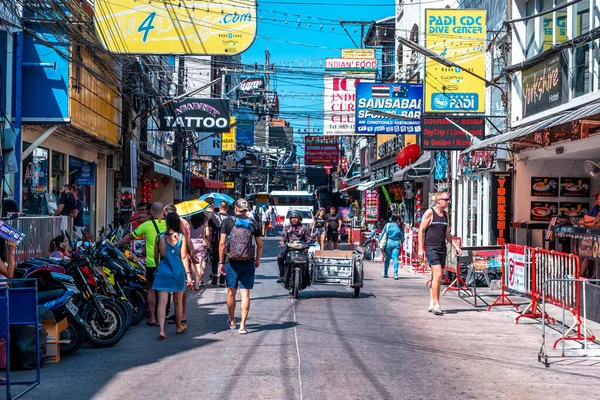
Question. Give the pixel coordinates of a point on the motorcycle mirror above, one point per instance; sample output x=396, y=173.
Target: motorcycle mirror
x=79, y=243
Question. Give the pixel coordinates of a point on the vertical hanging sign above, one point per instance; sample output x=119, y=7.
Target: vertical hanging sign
x=500, y=207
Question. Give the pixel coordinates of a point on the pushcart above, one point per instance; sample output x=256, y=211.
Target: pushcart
x=336, y=267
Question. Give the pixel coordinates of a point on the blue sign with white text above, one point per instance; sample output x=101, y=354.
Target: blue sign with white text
x=402, y=99
x=244, y=128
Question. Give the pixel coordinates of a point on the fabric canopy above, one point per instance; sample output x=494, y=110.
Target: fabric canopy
x=199, y=182
x=556, y=120
x=163, y=169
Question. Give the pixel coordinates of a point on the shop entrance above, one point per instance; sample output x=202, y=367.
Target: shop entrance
x=83, y=173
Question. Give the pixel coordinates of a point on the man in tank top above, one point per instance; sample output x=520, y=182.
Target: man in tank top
x=434, y=232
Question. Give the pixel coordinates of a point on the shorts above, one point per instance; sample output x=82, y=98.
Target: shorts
x=240, y=274
x=332, y=235
x=436, y=256
x=319, y=231
x=150, y=271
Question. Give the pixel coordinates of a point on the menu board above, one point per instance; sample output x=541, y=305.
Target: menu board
x=487, y=259
x=542, y=186
x=573, y=209
x=575, y=187
x=372, y=206
x=543, y=211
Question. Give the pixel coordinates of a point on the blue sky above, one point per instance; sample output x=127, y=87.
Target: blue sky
x=306, y=79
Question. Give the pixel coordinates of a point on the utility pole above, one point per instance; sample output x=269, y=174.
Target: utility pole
x=180, y=145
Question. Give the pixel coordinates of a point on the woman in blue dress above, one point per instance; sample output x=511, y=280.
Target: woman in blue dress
x=172, y=274
x=395, y=237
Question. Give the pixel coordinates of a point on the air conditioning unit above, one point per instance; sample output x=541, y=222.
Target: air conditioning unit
x=113, y=162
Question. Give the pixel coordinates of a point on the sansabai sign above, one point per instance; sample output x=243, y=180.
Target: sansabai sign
x=226, y=27
x=458, y=36
x=501, y=204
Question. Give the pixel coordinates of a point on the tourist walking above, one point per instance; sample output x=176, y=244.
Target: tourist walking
x=215, y=223
x=334, y=222
x=273, y=224
x=199, y=235
x=318, y=227
x=149, y=229
x=172, y=274
x=394, y=233
x=434, y=232
x=266, y=220
x=241, y=243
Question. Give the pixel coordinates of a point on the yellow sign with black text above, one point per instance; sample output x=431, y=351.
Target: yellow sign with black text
x=228, y=138
x=226, y=27
x=228, y=185
x=458, y=36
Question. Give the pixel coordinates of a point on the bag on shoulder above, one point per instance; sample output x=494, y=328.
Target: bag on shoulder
x=384, y=238
x=216, y=233
x=240, y=246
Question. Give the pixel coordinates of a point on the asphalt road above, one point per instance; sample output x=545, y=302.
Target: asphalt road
x=327, y=345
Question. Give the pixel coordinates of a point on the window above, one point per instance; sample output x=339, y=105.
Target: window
x=581, y=55
x=530, y=43
x=58, y=172
x=35, y=180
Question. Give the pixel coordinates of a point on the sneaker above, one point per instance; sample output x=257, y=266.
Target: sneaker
x=395, y=276
x=437, y=311
x=213, y=280
x=280, y=280
x=384, y=275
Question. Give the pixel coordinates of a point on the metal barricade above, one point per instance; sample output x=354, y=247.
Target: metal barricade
x=39, y=231
x=560, y=292
x=517, y=264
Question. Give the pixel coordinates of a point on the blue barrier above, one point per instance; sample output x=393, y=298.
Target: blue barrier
x=18, y=306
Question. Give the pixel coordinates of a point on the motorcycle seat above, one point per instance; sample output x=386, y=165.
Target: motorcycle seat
x=46, y=296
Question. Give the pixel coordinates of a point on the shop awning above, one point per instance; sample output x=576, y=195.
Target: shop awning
x=368, y=185
x=199, y=182
x=349, y=188
x=163, y=169
x=560, y=119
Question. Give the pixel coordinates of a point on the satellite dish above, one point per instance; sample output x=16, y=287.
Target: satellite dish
x=592, y=169
x=408, y=155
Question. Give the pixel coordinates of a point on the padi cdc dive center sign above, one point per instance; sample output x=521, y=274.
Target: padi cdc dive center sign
x=196, y=115
x=402, y=99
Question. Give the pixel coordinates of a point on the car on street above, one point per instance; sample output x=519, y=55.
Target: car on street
x=307, y=217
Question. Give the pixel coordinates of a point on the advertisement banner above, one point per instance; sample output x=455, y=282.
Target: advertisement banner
x=501, y=207
x=250, y=85
x=245, y=126
x=339, y=98
x=405, y=99
x=575, y=187
x=542, y=86
x=458, y=35
x=166, y=27
x=87, y=174
x=209, y=144
x=358, y=53
x=228, y=185
x=228, y=138
x=351, y=64
x=515, y=268
x=544, y=186
x=195, y=115
x=371, y=205
x=321, y=150
x=440, y=134
x=543, y=210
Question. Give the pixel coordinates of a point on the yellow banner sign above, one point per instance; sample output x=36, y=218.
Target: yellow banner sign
x=228, y=138
x=358, y=53
x=458, y=36
x=226, y=27
x=228, y=185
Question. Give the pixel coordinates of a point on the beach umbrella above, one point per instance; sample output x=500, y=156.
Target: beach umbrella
x=218, y=197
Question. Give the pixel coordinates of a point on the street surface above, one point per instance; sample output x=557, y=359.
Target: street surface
x=328, y=345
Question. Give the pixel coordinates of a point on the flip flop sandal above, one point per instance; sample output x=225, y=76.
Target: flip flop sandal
x=183, y=330
x=172, y=321
x=151, y=323
x=162, y=336
x=229, y=324
x=243, y=331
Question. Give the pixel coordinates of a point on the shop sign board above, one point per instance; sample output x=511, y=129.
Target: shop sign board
x=385, y=172
x=228, y=138
x=404, y=99
x=371, y=205
x=339, y=102
x=321, y=150
x=544, y=186
x=390, y=147
x=515, y=268
x=250, y=85
x=228, y=185
x=358, y=53
x=501, y=206
x=542, y=86
x=573, y=209
x=365, y=162
x=351, y=64
x=458, y=35
x=196, y=115
x=575, y=187
x=86, y=174
x=166, y=27
x=440, y=134
x=209, y=144
x=244, y=129
x=543, y=210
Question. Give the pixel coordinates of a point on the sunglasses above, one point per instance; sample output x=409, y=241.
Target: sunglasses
x=443, y=199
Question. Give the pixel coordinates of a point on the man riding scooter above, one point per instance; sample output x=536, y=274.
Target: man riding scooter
x=292, y=233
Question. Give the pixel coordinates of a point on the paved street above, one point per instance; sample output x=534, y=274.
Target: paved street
x=329, y=345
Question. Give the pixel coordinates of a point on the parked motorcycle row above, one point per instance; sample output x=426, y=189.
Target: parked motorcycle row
x=99, y=290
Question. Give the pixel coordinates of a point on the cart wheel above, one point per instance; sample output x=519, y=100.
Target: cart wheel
x=296, y=283
x=356, y=291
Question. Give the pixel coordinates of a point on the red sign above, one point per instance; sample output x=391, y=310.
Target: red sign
x=440, y=134
x=320, y=150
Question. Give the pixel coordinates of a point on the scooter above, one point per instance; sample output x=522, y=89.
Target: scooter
x=297, y=266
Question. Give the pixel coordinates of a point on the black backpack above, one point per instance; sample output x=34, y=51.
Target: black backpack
x=218, y=222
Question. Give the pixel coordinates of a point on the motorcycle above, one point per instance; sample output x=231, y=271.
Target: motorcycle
x=297, y=266
x=369, y=246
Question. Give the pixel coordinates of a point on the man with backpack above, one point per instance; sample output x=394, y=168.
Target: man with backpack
x=236, y=243
x=215, y=222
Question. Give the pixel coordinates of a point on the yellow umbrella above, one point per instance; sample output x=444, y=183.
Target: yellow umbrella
x=191, y=207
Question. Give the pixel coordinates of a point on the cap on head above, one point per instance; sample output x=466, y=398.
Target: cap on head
x=241, y=205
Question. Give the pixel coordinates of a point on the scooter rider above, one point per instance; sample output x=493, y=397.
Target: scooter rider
x=292, y=233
